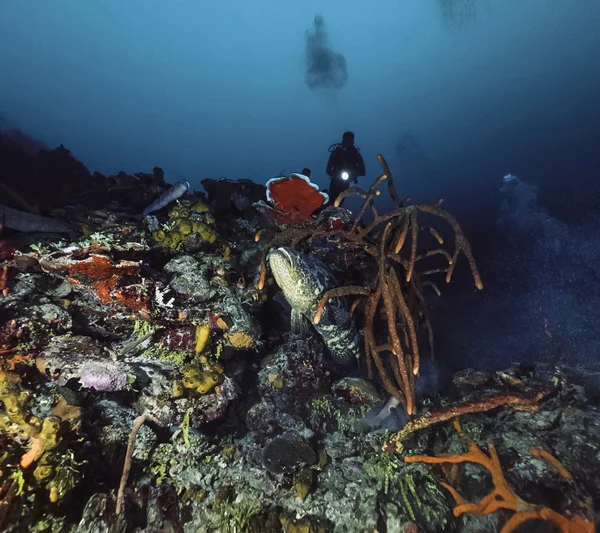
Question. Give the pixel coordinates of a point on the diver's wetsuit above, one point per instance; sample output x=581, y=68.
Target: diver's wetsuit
x=344, y=159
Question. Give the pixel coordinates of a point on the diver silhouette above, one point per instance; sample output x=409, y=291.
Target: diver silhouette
x=345, y=165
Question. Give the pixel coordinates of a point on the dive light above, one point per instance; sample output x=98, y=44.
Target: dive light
x=344, y=175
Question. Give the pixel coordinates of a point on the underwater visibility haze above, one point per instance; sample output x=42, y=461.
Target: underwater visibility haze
x=297, y=267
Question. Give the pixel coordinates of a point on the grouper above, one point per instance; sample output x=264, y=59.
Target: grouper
x=303, y=280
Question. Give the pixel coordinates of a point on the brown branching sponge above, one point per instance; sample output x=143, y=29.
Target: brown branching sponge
x=393, y=304
x=517, y=401
x=502, y=496
x=137, y=424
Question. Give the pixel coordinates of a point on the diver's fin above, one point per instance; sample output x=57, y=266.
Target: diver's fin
x=300, y=324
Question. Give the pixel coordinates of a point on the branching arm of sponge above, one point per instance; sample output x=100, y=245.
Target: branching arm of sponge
x=502, y=496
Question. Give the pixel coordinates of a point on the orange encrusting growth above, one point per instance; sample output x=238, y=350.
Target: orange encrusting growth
x=104, y=276
x=101, y=267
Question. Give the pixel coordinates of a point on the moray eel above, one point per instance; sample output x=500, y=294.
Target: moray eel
x=303, y=280
x=176, y=191
x=28, y=222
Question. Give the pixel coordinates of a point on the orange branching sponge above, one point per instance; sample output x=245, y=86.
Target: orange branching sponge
x=549, y=458
x=502, y=497
x=295, y=196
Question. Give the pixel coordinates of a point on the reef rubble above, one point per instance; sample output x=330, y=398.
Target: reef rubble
x=169, y=324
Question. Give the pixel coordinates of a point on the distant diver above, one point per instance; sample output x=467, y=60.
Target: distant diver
x=345, y=165
x=325, y=69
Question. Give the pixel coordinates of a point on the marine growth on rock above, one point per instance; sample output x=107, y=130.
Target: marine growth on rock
x=151, y=378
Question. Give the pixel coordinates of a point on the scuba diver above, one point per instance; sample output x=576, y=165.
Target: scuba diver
x=345, y=165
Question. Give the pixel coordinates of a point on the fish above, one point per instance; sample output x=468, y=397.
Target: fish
x=30, y=223
x=303, y=280
x=177, y=190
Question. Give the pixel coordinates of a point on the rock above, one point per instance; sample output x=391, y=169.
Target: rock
x=357, y=391
x=56, y=317
x=301, y=369
x=470, y=378
x=62, y=290
x=84, y=359
x=202, y=408
x=396, y=522
x=305, y=525
x=226, y=195
x=266, y=420
x=99, y=517
x=187, y=279
x=287, y=453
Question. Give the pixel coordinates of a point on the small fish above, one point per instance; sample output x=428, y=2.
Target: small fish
x=303, y=280
x=176, y=191
x=28, y=222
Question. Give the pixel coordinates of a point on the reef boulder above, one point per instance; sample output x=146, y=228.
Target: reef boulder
x=84, y=359
x=187, y=279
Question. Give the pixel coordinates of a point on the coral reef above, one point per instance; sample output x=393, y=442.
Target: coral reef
x=146, y=384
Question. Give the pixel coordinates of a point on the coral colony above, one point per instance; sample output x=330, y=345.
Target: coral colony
x=251, y=359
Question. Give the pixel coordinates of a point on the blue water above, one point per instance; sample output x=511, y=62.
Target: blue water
x=455, y=94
